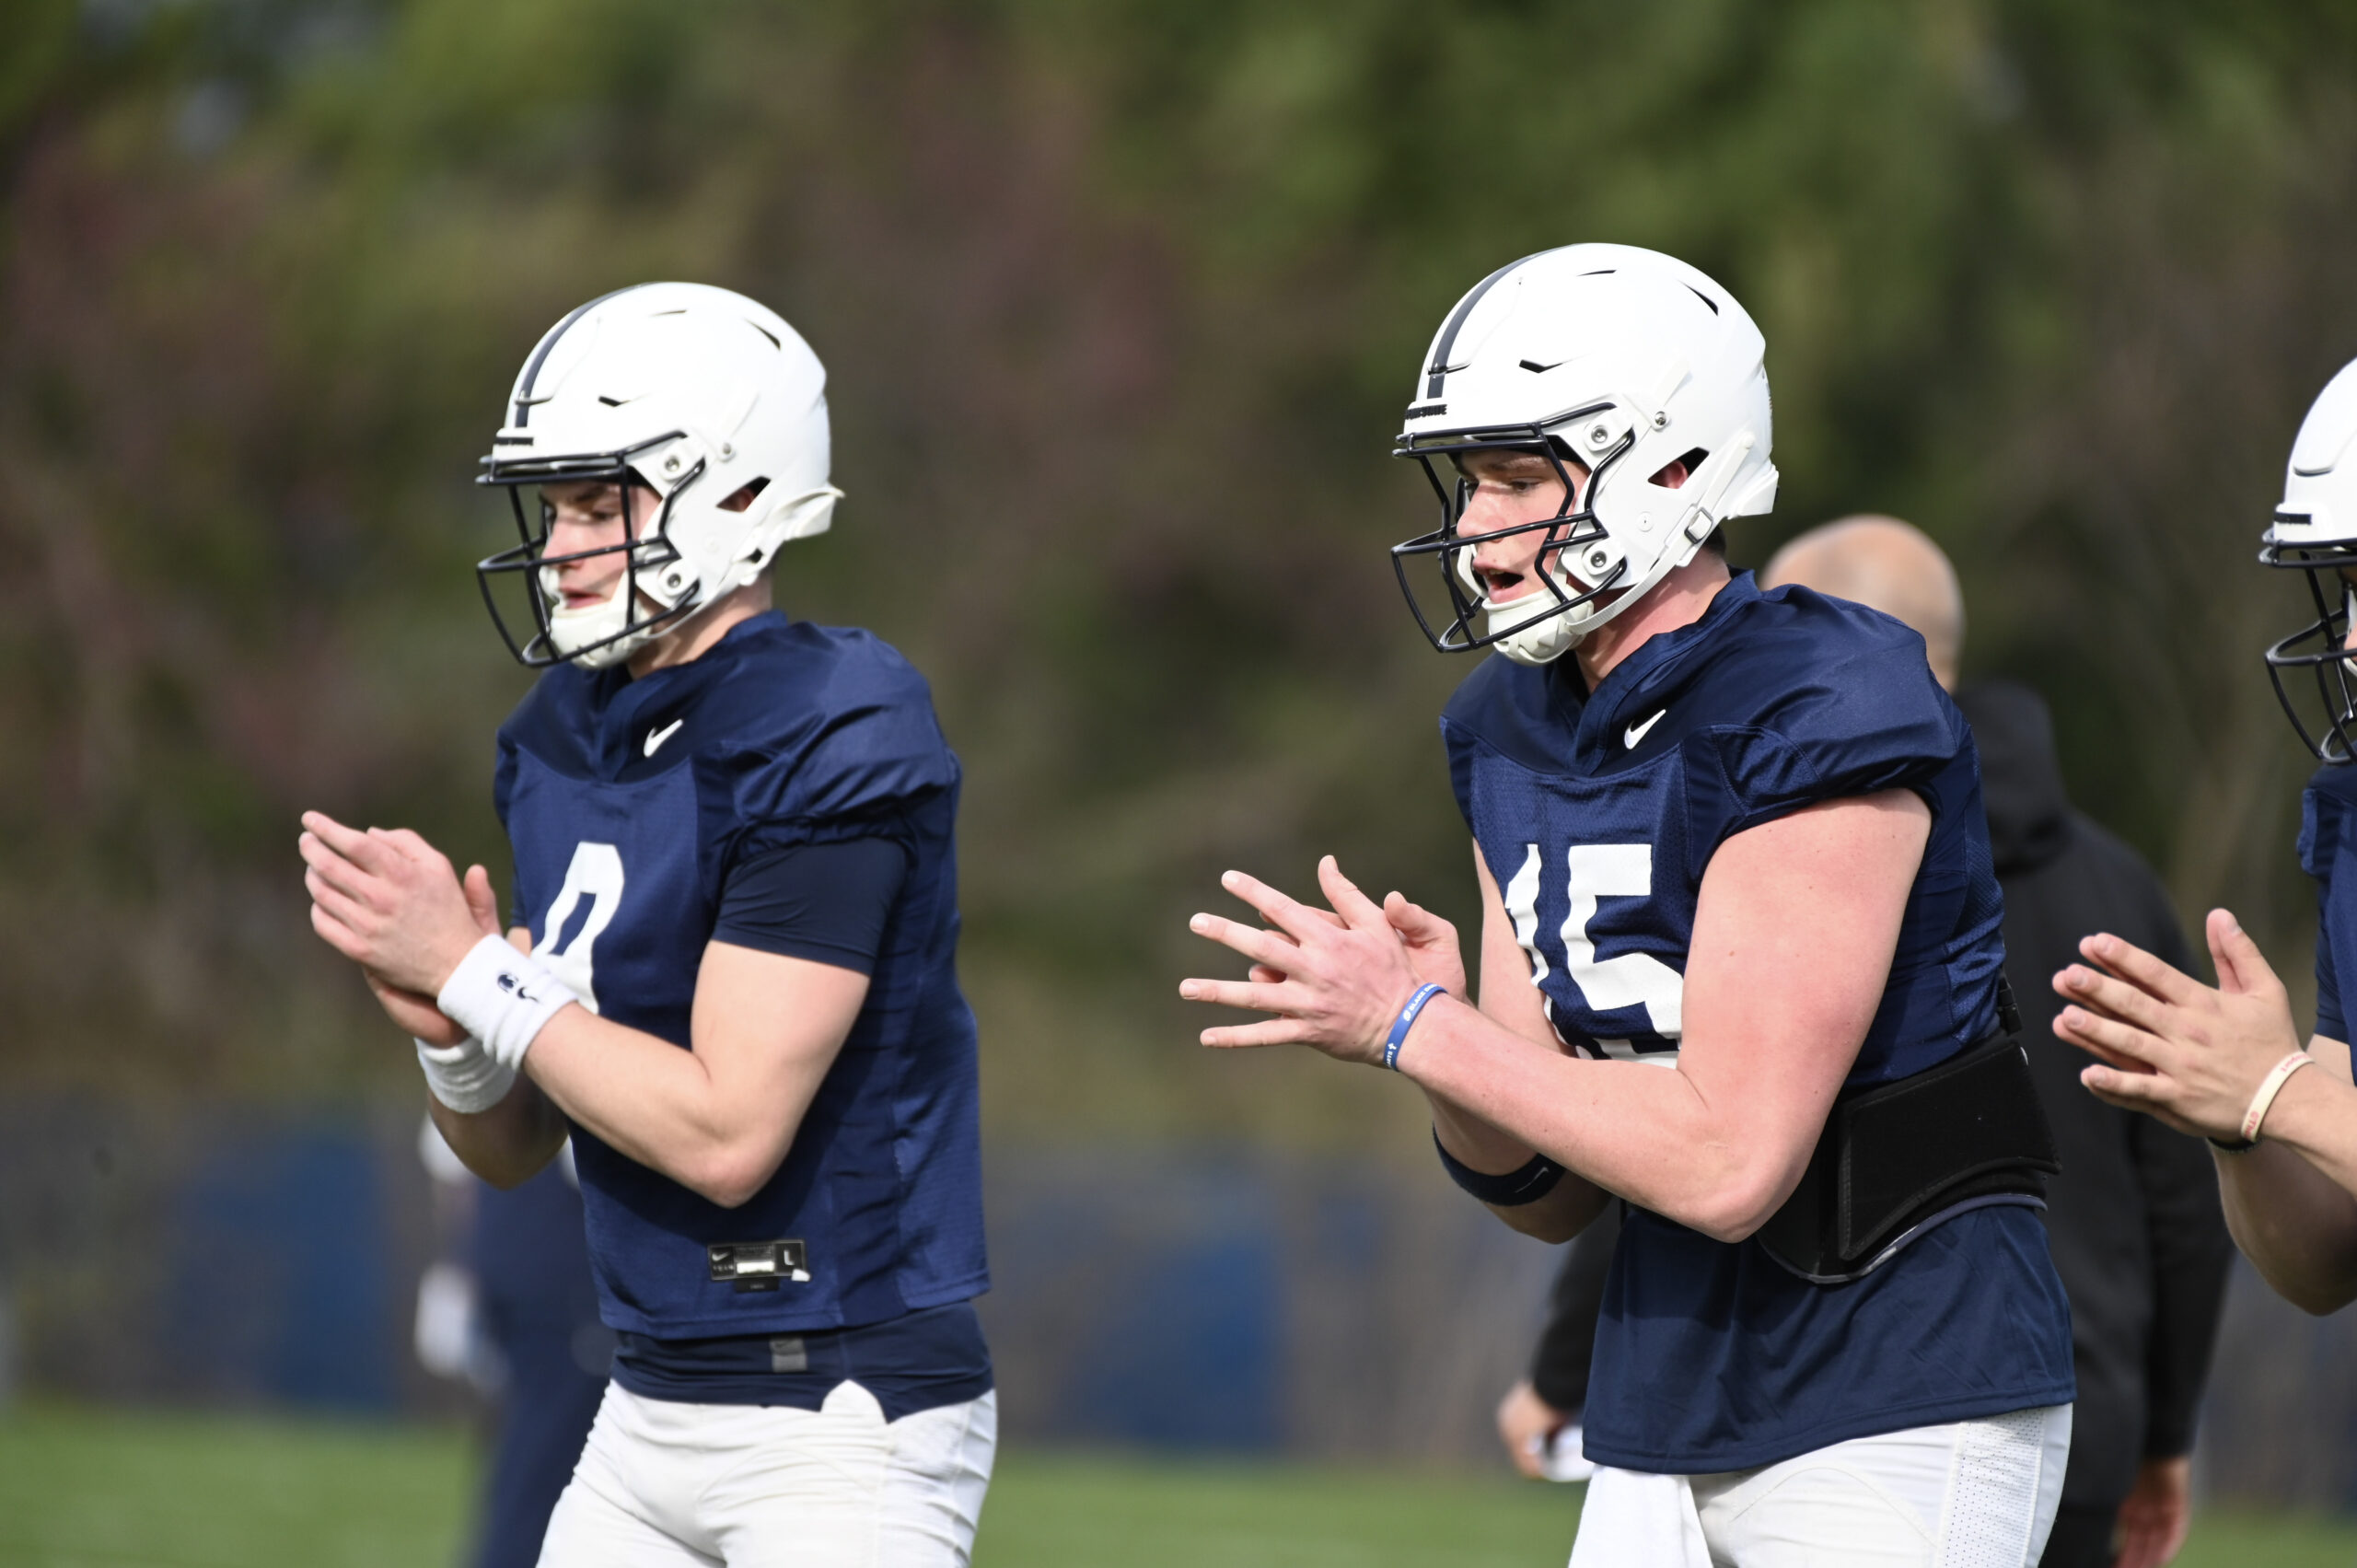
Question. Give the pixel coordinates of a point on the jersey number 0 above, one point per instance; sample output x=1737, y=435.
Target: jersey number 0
x=595, y=874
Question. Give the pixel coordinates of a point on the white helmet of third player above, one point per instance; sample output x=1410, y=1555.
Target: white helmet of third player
x=698, y=394
x=2314, y=531
x=1620, y=360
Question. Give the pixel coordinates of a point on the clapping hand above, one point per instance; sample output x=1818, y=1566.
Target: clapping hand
x=2192, y=1056
x=1336, y=977
x=390, y=902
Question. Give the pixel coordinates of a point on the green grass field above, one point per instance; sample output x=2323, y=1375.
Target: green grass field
x=82, y=1488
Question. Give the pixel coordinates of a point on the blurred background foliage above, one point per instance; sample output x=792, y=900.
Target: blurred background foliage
x=1121, y=302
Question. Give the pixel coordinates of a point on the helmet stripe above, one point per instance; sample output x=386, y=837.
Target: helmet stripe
x=1440, y=367
x=539, y=354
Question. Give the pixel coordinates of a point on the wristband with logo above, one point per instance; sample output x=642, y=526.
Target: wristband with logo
x=1406, y=1021
x=503, y=998
x=1526, y=1183
x=2268, y=1087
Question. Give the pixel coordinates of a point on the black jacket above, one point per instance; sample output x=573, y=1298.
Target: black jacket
x=2133, y=1219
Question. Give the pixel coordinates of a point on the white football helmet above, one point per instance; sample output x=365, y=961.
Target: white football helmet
x=694, y=392
x=2314, y=531
x=1623, y=361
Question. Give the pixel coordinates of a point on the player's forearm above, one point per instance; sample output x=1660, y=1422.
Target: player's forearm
x=1631, y=1129
x=662, y=1107
x=507, y=1144
x=2289, y=1201
x=2315, y=1116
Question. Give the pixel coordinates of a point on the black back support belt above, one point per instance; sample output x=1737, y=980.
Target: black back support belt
x=1897, y=1159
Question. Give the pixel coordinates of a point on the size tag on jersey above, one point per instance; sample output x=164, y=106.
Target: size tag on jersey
x=758, y=1265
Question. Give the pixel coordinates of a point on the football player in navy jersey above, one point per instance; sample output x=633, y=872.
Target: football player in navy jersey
x=731, y=974
x=2227, y=1060
x=1740, y=959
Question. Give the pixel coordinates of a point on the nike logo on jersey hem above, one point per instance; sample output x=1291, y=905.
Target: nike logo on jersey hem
x=655, y=737
x=1636, y=732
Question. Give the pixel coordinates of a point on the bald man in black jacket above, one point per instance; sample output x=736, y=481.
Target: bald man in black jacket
x=2133, y=1219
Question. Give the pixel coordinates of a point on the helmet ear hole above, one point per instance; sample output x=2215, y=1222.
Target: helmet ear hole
x=1678, y=469
x=744, y=495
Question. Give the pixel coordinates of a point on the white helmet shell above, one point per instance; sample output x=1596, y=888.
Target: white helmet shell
x=2319, y=505
x=2314, y=531
x=1626, y=360
x=697, y=392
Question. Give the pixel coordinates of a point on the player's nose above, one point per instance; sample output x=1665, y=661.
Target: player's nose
x=1484, y=515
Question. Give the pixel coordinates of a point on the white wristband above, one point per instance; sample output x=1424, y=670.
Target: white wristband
x=463, y=1077
x=2269, y=1088
x=503, y=998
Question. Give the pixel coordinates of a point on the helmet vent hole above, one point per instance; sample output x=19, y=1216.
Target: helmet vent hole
x=609, y=402
x=1703, y=298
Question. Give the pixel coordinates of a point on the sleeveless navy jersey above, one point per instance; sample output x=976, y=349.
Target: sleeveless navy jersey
x=1597, y=815
x=627, y=802
x=2327, y=847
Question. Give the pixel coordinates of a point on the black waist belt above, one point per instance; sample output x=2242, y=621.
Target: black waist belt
x=1897, y=1159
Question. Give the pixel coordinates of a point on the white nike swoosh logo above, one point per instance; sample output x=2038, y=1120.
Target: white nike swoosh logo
x=1636, y=731
x=655, y=737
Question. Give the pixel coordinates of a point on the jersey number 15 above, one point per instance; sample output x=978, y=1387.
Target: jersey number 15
x=1630, y=980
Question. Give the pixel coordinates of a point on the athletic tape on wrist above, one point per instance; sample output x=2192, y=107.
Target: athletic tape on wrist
x=503, y=998
x=1526, y=1183
x=464, y=1076
x=1406, y=1021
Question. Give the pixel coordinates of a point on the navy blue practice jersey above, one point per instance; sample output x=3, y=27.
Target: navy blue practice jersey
x=1597, y=815
x=2327, y=847
x=628, y=802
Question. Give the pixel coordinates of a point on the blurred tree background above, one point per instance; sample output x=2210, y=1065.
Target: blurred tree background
x=1121, y=303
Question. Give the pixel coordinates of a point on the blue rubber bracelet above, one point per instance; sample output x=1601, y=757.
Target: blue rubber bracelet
x=1406, y=1021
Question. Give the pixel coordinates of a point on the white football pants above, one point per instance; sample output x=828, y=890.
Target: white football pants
x=1977, y=1494
x=668, y=1485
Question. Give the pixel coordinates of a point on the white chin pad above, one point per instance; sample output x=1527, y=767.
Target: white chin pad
x=1548, y=637
x=574, y=629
